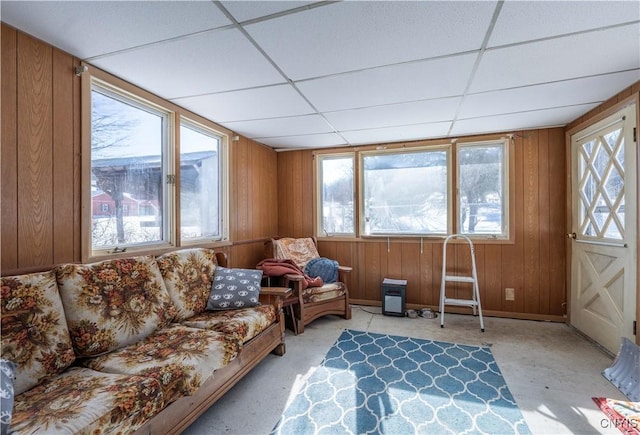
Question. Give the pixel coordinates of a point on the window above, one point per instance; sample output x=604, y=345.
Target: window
x=336, y=194
x=200, y=182
x=128, y=164
x=406, y=192
x=418, y=191
x=482, y=171
x=132, y=170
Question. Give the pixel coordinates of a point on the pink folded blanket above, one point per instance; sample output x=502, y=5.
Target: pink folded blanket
x=277, y=267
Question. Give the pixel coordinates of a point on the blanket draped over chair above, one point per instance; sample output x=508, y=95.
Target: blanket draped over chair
x=283, y=266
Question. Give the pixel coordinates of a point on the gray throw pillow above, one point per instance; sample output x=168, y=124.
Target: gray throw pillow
x=7, y=370
x=234, y=288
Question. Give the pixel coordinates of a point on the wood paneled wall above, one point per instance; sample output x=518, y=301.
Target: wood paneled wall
x=534, y=265
x=40, y=181
x=40, y=154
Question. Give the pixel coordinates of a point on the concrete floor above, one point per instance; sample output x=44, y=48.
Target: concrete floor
x=551, y=370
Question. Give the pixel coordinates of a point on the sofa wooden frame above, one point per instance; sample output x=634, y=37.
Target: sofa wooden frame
x=177, y=416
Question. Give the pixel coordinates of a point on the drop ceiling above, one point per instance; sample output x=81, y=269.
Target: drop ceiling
x=300, y=74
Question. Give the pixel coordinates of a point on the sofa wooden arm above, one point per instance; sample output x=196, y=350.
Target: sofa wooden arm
x=274, y=296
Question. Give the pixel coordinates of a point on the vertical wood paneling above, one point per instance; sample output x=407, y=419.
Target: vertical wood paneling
x=63, y=200
x=35, y=206
x=491, y=294
x=531, y=223
x=410, y=257
x=512, y=255
x=77, y=167
x=427, y=289
x=557, y=226
x=240, y=173
x=8, y=152
x=543, y=222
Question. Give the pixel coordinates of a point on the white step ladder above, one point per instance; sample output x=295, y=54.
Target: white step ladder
x=473, y=279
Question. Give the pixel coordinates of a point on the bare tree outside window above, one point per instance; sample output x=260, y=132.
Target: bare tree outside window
x=337, y=195
x=481, y=181
x=126, y=171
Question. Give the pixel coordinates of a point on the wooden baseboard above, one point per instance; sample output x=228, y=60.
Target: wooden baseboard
x=463, y=310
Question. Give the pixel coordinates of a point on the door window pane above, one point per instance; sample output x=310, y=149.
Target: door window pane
x=481, y=175
x=199, y=183
x=406, y=193
x=127, y=143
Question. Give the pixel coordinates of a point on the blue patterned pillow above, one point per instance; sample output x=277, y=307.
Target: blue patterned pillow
x=234, y=288
x=7, y=369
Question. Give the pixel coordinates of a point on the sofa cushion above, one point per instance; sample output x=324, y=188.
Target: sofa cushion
x=300, y=250
x=81, y=400
x=235, y=288
x=188, y=275
x=34, y=331
x=7, y=375
x=243, y=324
x=113, y=303
x=181, y=358
x=326, y=292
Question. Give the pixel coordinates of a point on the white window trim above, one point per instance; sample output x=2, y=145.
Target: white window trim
x=88, y=254
x=506, y=188
x=361, y=190
x=318, y=179
x=223, y=180
x=452, y=148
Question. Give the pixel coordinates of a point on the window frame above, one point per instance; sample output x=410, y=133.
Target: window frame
x=447, y=148
x=171, y=160
x=507, y=212
x=453, y=146
x=223, y=181
x=318, y=179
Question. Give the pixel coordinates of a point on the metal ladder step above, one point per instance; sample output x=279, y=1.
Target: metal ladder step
x=461, y=302
x=455, y=278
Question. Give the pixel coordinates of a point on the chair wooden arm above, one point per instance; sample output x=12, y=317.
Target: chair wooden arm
x=221, y=258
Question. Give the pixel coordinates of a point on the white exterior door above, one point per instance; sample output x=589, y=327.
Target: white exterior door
x=604, y=213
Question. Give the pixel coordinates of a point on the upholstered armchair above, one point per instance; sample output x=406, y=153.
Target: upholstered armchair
x=286, y=261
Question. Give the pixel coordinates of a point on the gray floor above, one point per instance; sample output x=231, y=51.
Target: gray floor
x=551, y=370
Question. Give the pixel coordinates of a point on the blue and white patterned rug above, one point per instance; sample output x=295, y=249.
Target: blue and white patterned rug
x=374, y=383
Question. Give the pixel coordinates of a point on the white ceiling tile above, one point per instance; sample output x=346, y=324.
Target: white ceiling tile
x=210, y=62
x=306, y=141
x=348, y=36
x=527, y=20
x=289, y=126
x=558, y=94
x=397, y=134
x=605, y=51
x=395, y=114
x=247, y=10
x=251, y=104
x=520, y=121
x=91, y=28
x=391, y=84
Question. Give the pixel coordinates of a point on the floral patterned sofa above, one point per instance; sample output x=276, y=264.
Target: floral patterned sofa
x=128, y=345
